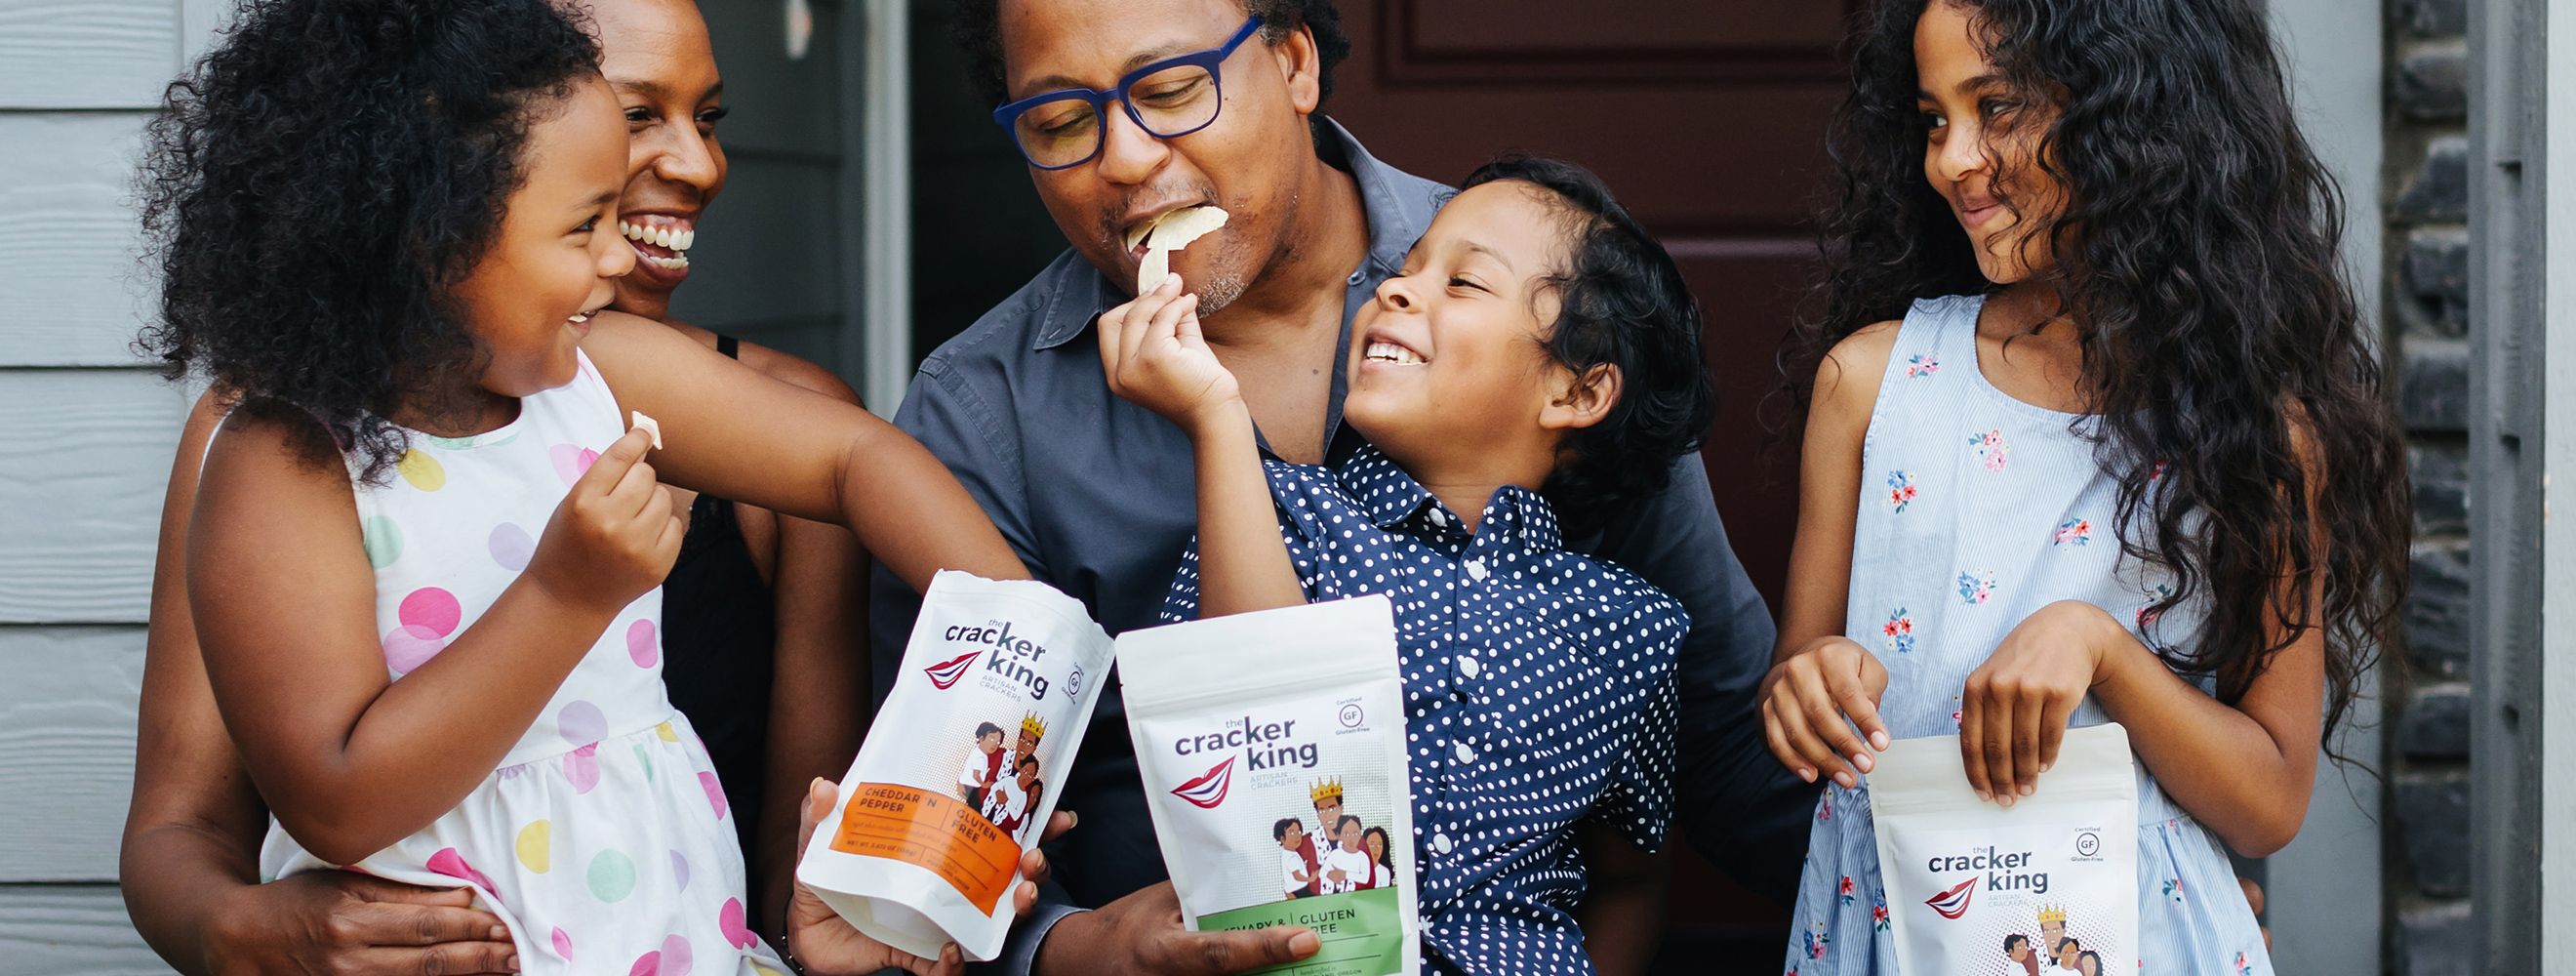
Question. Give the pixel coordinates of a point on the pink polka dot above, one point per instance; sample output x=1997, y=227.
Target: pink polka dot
x=433, y=608
x=642, y=645
x=571, y=460
x=675, y=955
x=647, y=964
x=409, y=646
x=581, y=766
x=453, y=865
x=581, y=722
x=563, y=944
x=729, y=920
x=715, y=793
x=511, y=547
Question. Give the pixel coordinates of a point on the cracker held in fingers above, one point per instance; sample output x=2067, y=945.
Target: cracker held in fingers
x=1166, y=234
x=649, y=426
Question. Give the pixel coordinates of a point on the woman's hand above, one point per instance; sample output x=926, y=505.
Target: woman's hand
x=340, y=922
x=1153, y=354
x=614, y=536
x=2013, y=713
x=1806, y=700
x=825, y=943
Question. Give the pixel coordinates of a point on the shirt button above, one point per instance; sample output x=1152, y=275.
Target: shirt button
x=1440, y=842
x=1476, y=569
x=1466, y=755
x=1467, y=666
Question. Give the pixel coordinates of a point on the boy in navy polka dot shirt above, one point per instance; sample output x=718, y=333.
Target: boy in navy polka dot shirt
x=1536, y=359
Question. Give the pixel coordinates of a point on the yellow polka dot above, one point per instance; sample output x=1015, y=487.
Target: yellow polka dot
x=764, y=970
x=421, y=470
x=534, y=851
x=667, y=733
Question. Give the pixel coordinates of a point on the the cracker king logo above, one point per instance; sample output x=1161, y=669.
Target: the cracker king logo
x=1208, y=790
x=944, y=674
x=1032, y=729
x=1014, y=658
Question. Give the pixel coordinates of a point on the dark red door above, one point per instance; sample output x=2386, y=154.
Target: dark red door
x=1707, y=118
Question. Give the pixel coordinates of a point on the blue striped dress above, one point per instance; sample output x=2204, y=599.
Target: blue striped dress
x=1976, y=510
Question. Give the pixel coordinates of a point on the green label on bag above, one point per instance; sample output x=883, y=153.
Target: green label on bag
x=1363, y=931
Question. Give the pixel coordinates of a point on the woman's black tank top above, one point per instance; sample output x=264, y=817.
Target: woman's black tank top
x=719, y=647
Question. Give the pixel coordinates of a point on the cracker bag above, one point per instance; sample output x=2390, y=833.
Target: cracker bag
x=962, y=766
x=1974, y=887
x=1272, y=749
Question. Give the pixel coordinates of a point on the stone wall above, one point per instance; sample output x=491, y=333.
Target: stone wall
x=2427, y=326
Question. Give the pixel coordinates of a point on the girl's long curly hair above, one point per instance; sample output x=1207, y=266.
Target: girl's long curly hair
x=320, y=182
x=2197, y=255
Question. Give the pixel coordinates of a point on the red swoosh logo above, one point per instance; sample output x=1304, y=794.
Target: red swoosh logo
x=946, y=673
x=1208, y=790
x=1954, y=902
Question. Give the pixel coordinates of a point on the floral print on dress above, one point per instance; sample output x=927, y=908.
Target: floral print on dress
x=1900, y=489
x=1976, y=588
x=1878, y=910
x=2243, y=968
x=1816, y=940
x=1991, y=449
x=1922, y=365
x=1847, y=890
x=1825, y=806
x=1899, y=629
x=2173, y=889
x=2072, y=534
x=2147, y=612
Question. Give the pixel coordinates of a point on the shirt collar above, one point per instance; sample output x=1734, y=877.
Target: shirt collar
x=1396, y=502
x=1082, y=293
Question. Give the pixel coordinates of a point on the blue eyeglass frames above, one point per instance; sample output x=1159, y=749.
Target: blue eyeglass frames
x=1168, y=98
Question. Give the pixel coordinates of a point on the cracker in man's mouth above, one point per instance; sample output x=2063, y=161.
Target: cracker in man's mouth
x=1165, y=234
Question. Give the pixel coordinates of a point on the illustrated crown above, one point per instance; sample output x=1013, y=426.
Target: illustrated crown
x=1036, y=729
x=1326, y=789
x=2052, y=913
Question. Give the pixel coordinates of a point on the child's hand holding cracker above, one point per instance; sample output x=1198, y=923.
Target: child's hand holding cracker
x=1155, y=356
x=616, y=533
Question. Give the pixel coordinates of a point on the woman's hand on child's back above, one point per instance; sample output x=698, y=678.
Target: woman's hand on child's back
x=1811, y=700
x=614, y=536
x=2013, y=712
x=1154, y=356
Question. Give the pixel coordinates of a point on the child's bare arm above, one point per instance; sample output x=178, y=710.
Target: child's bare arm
x=734, y=433
x=284, y=602
x=1819, y=675
x=1154, y=355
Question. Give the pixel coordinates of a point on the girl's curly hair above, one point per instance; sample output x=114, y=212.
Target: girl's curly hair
x=1622, y=303
x=317, y=185
x=2197, y=254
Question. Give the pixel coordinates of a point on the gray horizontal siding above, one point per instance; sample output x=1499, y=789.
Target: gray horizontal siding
x=87, y=54
x=79, y=930
x=84, y=458
x=71, y=291
x=66, y=749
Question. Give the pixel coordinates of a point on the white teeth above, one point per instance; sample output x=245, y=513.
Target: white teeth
x=669, y=237
x=583, y=317
x=672, y=263
x=1384, y=351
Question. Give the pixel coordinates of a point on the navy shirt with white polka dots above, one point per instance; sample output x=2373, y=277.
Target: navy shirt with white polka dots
x=1538, y=692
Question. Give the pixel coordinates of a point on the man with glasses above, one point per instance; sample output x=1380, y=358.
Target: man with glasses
x=1127, y=110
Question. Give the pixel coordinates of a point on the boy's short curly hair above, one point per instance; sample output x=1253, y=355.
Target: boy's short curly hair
x=978, y=31
x=1622, y=303
x=318, y=184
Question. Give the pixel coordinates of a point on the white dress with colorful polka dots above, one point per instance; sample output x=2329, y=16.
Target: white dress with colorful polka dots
x=602, y=839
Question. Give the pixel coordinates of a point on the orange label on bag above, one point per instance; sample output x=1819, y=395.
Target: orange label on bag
x=930, y=830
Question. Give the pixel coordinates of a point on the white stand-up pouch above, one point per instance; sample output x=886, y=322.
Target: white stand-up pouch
x=1975, y=887
x=962, y=766
x=1272, y=749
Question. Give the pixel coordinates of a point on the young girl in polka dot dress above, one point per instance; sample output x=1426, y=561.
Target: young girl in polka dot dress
x=1537, y=357
x=426, y=552
x=2123, y=457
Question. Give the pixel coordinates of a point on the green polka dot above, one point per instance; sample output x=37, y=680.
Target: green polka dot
x=612, y=876
x=646, y=761
x=383, y=540
x=450, y=443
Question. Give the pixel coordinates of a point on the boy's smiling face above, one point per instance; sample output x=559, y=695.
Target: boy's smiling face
x=1294, y=838
x=1452, y=355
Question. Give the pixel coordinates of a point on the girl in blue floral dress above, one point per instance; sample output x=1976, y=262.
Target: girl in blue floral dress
x=2120, y=455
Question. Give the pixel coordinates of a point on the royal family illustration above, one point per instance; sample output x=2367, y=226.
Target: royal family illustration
x=1340, y=855
x=1005, y=785
x=2054, y=948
